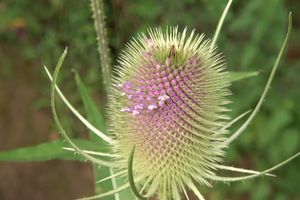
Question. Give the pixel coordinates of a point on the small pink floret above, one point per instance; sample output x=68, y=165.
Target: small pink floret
x=168, y=61
x=125, y=109
x=152, y=107
x=135, y=112
x=163, y=97
x=149, y=43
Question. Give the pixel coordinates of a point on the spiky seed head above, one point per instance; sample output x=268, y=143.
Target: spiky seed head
x=168, y=99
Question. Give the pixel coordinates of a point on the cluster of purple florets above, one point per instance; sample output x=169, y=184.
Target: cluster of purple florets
x=157, y=85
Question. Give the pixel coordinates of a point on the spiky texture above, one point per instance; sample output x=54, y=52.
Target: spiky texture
x=168, y=100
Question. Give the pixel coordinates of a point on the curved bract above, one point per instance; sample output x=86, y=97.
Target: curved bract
x=168, y=99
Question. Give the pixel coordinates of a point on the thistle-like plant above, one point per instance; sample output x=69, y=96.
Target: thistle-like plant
x=167, y=114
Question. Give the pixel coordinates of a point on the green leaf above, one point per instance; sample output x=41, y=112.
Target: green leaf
x=96, y=118
x=237, y=76
x=94, y=115
x=47, y=151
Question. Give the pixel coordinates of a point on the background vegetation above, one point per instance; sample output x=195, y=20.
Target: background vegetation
x=33, y=33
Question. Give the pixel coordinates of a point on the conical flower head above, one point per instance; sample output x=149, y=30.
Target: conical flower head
x=168, y=100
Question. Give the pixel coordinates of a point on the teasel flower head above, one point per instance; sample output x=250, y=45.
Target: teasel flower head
x=169, y=101
x=167, y=115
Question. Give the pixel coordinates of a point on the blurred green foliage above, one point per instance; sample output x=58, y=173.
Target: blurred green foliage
x=36, y=32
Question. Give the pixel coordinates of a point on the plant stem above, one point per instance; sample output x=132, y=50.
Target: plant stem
x=99, y=21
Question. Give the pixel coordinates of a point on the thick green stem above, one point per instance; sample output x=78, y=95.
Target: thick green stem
x=98, y=15
x=105, y=60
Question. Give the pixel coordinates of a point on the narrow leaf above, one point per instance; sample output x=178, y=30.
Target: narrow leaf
x=95, y=116
x=47, y=151
x=237, y=76
x=91, y=108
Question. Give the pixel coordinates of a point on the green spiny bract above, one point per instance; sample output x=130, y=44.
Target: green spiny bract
x=168, y=99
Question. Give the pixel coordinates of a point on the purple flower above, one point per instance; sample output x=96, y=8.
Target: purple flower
x=170, y=104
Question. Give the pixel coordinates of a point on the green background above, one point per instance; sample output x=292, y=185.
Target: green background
x=33, y=33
